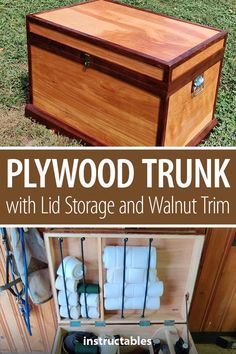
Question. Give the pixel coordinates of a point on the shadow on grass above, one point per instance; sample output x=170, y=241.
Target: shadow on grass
x=24, y=80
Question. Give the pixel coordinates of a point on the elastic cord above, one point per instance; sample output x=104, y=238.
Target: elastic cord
x=147, y=279
x=124, y=276
x=60, y=240
x=25, y=307
x=84, y=281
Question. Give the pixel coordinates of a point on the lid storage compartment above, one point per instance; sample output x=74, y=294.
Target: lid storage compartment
x=178, y=259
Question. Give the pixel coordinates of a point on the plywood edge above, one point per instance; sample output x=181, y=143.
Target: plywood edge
x=51, y=259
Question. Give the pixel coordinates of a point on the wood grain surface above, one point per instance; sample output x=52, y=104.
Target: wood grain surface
x=126, y=62
x=100, y=105
x=188, y=115
x=152, y=34
x=178, y=259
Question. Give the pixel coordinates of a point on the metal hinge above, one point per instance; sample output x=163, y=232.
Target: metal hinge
x=144, y=323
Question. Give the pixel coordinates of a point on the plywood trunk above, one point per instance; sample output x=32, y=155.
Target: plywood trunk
x=136, y=89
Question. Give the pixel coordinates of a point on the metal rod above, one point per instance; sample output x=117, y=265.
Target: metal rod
x=60, y=241
x=147, y=279
x=124, y=276
x=84, y=280
x=187, y=318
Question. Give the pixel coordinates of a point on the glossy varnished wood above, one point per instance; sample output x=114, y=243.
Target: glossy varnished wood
x=145, y=62
x=188, y=115
x=147, y=33
x=105, y=54
x=90, y=100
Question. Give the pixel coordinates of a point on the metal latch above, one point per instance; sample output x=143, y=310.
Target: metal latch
x=198, y=85
x=86, y=58
x=144, y=323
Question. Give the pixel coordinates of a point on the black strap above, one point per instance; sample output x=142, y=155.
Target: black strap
x=60, y=240
x=147, y=279
x=124, y=276
x=84, y=280
x=9, y=263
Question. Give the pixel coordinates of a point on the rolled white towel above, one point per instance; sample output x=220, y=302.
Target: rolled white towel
x=92, y=312
x=71, y=284
x=106, y=347
x=92, y=300
x=133, y=276
x=73, y=298
x=136, y=303
x=73, y=268
x=133, y=290
x=136, y=257
x=74, y=312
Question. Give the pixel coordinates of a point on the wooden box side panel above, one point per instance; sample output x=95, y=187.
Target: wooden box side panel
x=188, y=115
x=178, y=260
x=167, y=335
x=88, y=101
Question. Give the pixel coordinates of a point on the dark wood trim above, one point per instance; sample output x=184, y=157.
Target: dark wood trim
x=198, y=69
x=142, y=81
x=144, y=58
x=182, y=231
x=51, y=122
x=203, y=133
x=29, y=63
x=162, y=121
x=197, y=49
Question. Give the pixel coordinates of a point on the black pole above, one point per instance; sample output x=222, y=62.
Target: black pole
x=147, y=279
x=124, y=275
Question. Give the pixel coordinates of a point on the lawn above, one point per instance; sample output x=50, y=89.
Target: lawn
x=17, y=130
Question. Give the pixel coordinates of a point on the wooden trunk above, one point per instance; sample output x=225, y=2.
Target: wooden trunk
x=120, y=76
x=177, y=266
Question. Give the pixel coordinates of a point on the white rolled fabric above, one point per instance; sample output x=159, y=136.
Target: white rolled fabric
x=133, y=276
x=92, y=300
x=136, y=257
x=74, y=312
x=108, y=348
x=93, y=312
x=136, y=303
x=71, y=284
x=73, y=268
x=133, y=290
x=73, y=298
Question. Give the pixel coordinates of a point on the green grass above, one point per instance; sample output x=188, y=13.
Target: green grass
x=13, y=60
